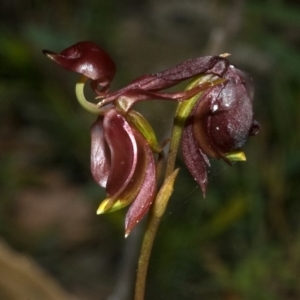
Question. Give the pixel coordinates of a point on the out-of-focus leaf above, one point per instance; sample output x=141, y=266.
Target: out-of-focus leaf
x=223, y=219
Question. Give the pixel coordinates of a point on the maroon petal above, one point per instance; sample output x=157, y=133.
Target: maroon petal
x=100, y=156
x=144, y=87
x=195, y=160
x=216, y=65
x=145, y=197
x=88, y=59
x=132, y=189
x=138, y=88
x=130, y=97
x=123, y=150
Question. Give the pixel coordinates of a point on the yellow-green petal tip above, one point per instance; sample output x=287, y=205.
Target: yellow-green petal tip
x=236, y=155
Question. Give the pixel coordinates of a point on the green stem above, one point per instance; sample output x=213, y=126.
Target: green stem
x=182, y=112
x=163, y=196
x=155, y=215
x=154, y=219
x=150, y=233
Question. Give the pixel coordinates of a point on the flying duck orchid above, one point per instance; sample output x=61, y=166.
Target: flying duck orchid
x=215, y=114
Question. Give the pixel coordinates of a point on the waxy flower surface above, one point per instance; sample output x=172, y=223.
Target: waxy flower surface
x=218, y=121
x=123, y=163
x=88, y=59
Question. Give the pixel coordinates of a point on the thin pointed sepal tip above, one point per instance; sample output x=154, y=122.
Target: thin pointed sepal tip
x=203, y=192
x=236, y=155
x=102, y=208
x=108, y=205
x=127, y=232
x=49, y=54
x=203, y=187
x=99, y=211
x=225, y=55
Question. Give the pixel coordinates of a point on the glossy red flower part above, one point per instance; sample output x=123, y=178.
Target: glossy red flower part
x=88, y=59
x=123, y=163
x=220, y=123
x=94, y=63
x=148, y=87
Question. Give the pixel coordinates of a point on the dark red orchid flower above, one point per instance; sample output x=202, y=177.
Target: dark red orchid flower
x=220, y=122
x=123, y=143
x=123, y=163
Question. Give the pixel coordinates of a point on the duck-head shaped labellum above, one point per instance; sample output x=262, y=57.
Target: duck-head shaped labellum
x=86, y=58
x=220, y=122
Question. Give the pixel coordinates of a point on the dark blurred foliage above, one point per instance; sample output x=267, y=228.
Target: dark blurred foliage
x=243, y=240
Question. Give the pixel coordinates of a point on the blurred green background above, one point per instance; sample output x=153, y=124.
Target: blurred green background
x=242, y=241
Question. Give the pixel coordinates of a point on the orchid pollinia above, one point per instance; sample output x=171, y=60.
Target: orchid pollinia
x=214, y=119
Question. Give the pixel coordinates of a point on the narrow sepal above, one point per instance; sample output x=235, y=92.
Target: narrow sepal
x=130, y=97
x=236, y=155
x=216, y=65
x=195, y=160
x=145, y=129
x=145, y=197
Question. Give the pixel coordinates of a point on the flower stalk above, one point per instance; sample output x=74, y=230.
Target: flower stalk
x=160, y=203
x=214, y=118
